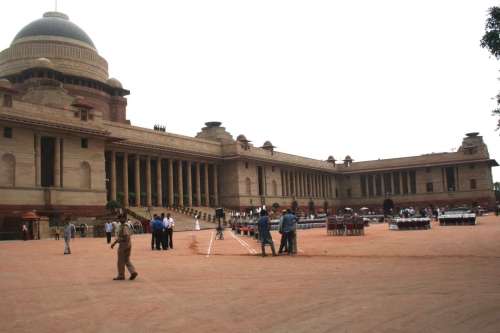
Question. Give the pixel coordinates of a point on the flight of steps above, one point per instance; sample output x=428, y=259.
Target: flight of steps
x=183, y=216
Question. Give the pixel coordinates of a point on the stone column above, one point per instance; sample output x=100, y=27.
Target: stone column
x=125, y=180
x=287, y=184
x=137, y=180
x=306, y=181
x=216, y=190
x=207, y=194
x=113, y=175
x=295, y=184
x=180, y=183
x=159, y=192
x=319, y=186
x=148, y=182
x=57, y=162
x=323, y=183
x=198, y=185
x=316, y=179
x=383, y=184
x=170, y=182
x=38, y=160
x=189, y=184
x=304, y=184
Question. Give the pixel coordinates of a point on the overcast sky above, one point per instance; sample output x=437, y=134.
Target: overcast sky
x=372, y=79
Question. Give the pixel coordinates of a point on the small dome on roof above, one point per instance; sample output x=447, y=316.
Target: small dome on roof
x=212, y=124
x=268, y=145
x=348, y=158
x=331, y=159
x=114, y=83
x=43, y=63
x=241, y=138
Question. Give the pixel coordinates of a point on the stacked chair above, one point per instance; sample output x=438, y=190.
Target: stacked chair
x=346, y=225
x=410, y=223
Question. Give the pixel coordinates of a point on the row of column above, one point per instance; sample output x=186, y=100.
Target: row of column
x=304, y=184
x=180, y=181
x=403, y=184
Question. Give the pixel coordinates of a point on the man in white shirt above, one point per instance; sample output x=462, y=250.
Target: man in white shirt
x=108, y=227
x=164, y=233
x=170, y=231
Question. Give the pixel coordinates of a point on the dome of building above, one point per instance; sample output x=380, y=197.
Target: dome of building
x=43, y=63
x=348, y=158
x=55, y=37
x=331, y=159
x=54, y=24
x=114, y=83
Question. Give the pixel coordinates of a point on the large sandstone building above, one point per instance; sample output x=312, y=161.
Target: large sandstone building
x=66, y=147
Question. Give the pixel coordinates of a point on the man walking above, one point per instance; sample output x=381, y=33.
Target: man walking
x=108, y=227
x=264, y=233
x=69, y=231
x=124, y=250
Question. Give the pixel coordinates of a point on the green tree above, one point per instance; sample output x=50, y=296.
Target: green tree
x=491, y=42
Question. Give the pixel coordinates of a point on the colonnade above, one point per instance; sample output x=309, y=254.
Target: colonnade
x=306, y=184
x=380, y=184
x=166, y=181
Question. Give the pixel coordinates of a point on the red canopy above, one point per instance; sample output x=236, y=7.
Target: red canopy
x=30, y=216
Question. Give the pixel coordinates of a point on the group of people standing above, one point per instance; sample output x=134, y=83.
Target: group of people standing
x=287, y=228
x=162, y=229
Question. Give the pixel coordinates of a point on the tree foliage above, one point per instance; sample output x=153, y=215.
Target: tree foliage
x=491, y=42
x=491, y=38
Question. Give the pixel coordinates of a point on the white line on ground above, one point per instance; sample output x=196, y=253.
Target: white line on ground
x=210, y=244
x=244, y=244
x=248, y=245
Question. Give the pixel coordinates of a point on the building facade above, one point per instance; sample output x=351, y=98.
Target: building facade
x=67, y=148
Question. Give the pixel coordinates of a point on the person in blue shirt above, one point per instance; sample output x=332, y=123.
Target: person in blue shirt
x=153, y=234
x=158, y=230
x=264, y=227
x=289, y=228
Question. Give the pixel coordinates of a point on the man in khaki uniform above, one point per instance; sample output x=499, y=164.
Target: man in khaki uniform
x=124, y=249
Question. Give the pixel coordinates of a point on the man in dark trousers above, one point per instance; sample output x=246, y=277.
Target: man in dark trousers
x=283, y=241
x=170, y=231
x=153, y=234
x=289, y=227
x=108, y=227
x=164, y=232
x=264, y=227
x=158, y=231
x=124, y=250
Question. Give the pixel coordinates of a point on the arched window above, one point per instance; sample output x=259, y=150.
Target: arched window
x=275, y=188
x=85, y=179
x=248, y=184
x=8, y=170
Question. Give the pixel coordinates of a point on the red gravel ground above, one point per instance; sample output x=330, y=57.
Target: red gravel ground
x=446, y=279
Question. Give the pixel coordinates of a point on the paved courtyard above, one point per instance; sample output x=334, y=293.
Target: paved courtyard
x=446, y=279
